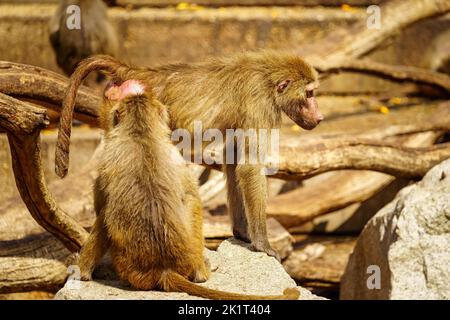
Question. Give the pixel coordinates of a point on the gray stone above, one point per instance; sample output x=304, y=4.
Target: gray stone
x=409, y=240
x=236, y=269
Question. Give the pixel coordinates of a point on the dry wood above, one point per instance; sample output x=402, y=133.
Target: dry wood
x=319, y=259
x=29, y=274
x=333, y=190
x=347, y=43
x=361, y=154
x=30, y=181
x=353, y=218
x=25, y=81
x=20, y=117
x=212, y=187
x=398, y=73
x=301, y=162
x=24, y=141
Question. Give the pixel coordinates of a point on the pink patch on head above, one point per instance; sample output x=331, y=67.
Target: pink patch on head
x=132, y=88
x=126, y=89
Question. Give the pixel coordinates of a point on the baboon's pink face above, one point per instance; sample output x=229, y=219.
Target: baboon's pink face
x=299, y=103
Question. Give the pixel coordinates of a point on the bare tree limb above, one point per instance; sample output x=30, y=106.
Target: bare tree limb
x=334, y=190
x=24, y=141
x=361, y=154
x=28, y=274
x=301, y=162
x=25, y=81
x=397, y=73
x=20, y=117
x=357, y=40
x=212, y=187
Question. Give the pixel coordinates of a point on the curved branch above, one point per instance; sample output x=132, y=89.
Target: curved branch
x=357, y=40
x=397, y=73
x=360, y=154
x=25, y=81
x=336, y=190
x=20, y=117
x=24, y=141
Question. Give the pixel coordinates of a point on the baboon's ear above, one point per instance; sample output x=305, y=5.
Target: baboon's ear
x=282, y=85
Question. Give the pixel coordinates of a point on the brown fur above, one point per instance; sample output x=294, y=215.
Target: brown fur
x=248, y=90
x=96, y=36
x=149, y=213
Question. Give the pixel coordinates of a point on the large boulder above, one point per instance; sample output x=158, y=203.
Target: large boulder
x=236, y=269
x=404, y=250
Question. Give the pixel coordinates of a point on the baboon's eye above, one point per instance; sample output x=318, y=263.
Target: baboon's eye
x=309, y=93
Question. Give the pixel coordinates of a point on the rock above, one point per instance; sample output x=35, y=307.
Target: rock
x=409, y=241
x=217, y=228
x=237, y=269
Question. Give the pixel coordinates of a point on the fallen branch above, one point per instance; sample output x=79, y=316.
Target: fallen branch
x=320, y=258
x=30, y=82
x=397, y=73
x=301, y=162
x=212, y=187
x=334, y=190
x=359, y=154
x=29, y=274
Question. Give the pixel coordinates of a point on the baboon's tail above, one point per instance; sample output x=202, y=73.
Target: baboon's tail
x=171, y=281
x=97, y=62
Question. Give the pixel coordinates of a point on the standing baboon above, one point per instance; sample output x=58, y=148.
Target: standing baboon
x=148, y=209
x=79, y=29
x=247, y=91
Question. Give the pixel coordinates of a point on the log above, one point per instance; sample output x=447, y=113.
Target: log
x=319, y=259
x=360, y=154
x=212, y=187
x=353, y=218
x=42, y=246
x=30, y=82
x=302, y=162
x=30, y=274
x=333, y=190
x=73, y=195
